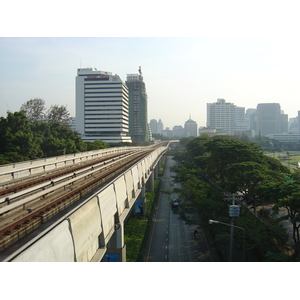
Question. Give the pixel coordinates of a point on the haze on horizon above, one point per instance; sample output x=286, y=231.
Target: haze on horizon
x=182, y=74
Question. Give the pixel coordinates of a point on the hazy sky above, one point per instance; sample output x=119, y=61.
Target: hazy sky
x=182, y=74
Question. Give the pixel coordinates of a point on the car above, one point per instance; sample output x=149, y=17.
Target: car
x=174, y=203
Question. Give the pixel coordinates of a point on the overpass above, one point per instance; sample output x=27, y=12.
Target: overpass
x=93, y=231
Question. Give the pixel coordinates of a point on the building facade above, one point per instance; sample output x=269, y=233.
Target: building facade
x=102, y=106
x=269, y=119
x=153, y=126
x=178, y=131
x=160, y=126
x=227, y=116
x=138, y=109
x=298, y=121
x=190, y=128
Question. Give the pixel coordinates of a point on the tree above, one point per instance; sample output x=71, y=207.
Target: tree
x=212, y=166
x=224, y=151
x=250, y=178
x=58, y=114
x=58, y=139
x=97, y=144
x=34, y=110
x=17, y=138
x=288, y=195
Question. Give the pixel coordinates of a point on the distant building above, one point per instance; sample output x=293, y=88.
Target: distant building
x=293, y=125
x=251, y=118
x=102, y=110
x=168, y=132
x=178, y=131
x=160, y=126
x=226, y=116
x=138, y=108
x=298, y=121
x=153, y=126
x=211, y=131
x=286, y=138
x=190, y=128
x=72, y=123
x=270, y=120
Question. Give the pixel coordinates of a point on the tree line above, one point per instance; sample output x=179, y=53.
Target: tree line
x=208, y=169
x=34, y=132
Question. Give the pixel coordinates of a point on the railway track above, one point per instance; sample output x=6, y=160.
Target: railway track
x=26, y=206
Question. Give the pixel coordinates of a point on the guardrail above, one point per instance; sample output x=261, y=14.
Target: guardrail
x=19, y=170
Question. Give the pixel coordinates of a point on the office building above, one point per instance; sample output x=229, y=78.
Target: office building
x=168, y=133
x=153, y=126
x=160, y=126
x=102, y=108
x=178, y=131
x=227, y=116
x=190, y=128
x=269, y=119
x=138, y=109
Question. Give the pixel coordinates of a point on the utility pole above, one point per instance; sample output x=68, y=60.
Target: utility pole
x=234, y=211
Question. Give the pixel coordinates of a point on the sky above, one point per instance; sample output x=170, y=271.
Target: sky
x=246, y=57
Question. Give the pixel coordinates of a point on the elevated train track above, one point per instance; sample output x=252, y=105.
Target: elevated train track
x=27, y=205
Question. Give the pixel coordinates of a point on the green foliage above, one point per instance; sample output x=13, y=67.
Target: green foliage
x=22, y=140
x=97, y=144
x=18, y=137
x=210, y=167
x=133, y=237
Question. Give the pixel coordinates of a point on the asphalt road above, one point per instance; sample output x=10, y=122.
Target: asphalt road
x=171, y=240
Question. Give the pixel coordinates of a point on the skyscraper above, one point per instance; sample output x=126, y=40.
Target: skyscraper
x=227, y=116
x=153, y=126
x=102, y=110
x=138, y=109
x=160, y=126
x=269, y=119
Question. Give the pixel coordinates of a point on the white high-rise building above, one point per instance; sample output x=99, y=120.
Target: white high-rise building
x=227, y=116
x=102, y=111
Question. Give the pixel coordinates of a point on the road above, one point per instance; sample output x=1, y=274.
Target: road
x=171, y=240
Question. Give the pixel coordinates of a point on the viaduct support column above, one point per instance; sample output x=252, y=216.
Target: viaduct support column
x=116, y=249
x=156, y=171
x=150, y=183
x=141, y=202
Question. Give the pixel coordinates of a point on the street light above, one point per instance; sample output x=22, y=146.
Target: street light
x=218, y=222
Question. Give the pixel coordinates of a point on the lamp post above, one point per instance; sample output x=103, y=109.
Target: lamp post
x=231, y=225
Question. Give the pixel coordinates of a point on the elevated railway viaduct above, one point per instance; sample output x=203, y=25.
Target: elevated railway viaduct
x=89, y=229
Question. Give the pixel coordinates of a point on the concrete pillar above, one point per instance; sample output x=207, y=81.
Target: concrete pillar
x=140, y=203
x=156, y=171
x=150, y=183
x=116, y=249
x=119, y=236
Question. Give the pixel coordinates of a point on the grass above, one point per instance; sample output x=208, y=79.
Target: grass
x=293, y=158
x=135, y=230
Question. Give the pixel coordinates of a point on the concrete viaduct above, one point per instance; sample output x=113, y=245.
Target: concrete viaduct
x=94, y=230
